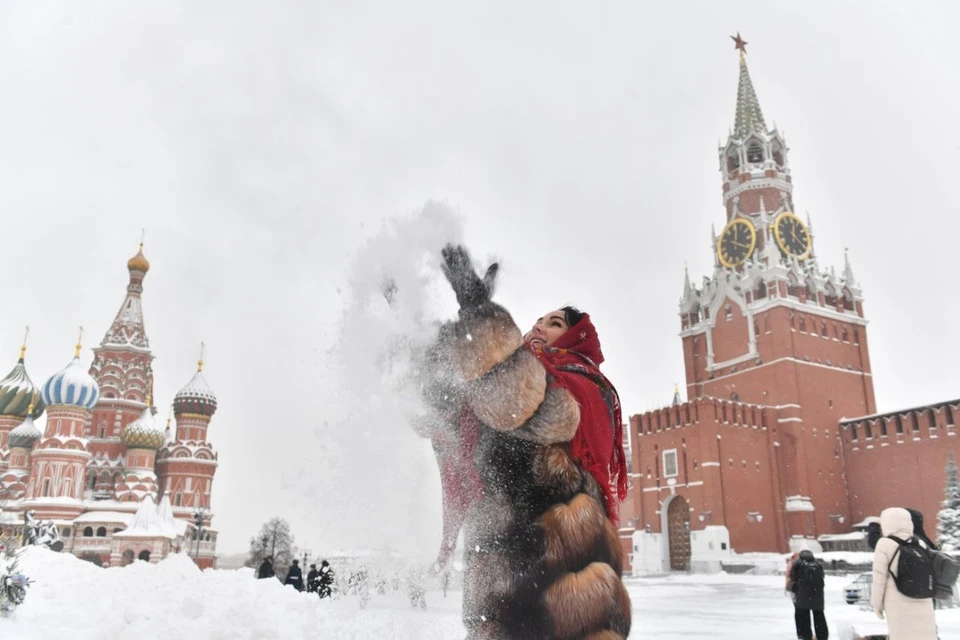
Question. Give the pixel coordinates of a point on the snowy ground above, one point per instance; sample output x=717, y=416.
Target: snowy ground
x=174, y=600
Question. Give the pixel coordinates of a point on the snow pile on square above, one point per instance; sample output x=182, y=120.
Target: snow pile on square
x=173, y=599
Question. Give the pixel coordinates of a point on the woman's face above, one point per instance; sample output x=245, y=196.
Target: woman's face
x=547, y=329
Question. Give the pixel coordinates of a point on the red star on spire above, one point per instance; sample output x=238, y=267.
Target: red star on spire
x=740, y=43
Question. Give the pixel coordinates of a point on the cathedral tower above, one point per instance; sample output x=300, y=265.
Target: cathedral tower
x=122, y=366
x=186, y=465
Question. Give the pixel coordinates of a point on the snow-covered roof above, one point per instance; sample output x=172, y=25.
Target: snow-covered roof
x=153, y=521
x=835, y=537
x=104, y=516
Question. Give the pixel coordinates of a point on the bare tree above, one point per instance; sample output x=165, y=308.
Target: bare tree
x=275, y=541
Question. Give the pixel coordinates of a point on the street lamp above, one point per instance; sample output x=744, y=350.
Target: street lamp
x=306, y=552
x=705, y=516
x=755, y=516
x=198, y=518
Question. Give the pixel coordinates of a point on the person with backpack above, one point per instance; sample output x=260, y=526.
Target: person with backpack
x=806, y=580
x=903, y=579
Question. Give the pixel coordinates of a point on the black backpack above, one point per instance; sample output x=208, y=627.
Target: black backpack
x=922, y=572
x=811, y=576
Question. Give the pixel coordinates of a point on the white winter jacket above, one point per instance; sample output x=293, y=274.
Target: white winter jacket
x=907, y=618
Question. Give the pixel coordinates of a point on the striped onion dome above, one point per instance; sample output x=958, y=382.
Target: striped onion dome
x=72, y=386
x=141, y=433
x=195, y=397
x=24, y=435
x=17, y=393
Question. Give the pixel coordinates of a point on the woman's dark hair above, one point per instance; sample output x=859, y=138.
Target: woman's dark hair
x=572, y=315
x=918, y=531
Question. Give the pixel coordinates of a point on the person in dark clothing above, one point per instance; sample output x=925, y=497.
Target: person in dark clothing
x=873, y=533
x=312, y=579
x=266, y=569
x=918, y=531
x=295, y=576
x=806, y=576
x=325, y=580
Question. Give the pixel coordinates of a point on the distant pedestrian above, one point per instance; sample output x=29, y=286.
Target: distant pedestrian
x=806, y=576
x=266, y=569
x=312, y=579
x=325, y=580
x=789, y=586
x=295, y=576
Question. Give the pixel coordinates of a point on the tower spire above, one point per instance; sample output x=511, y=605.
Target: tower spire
x=847, y=269
x=79, y=345
x=200, y=361
x=686, y=281
x=749, y=117
x=23, y=345
x=128, y=328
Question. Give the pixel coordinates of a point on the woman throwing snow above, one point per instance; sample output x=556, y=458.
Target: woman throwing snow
x=532, y=463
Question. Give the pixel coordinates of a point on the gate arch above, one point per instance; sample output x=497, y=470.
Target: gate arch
x=676, y=521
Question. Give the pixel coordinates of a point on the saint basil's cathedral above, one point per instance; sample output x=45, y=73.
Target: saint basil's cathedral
x=117, y=484
x=779, y=444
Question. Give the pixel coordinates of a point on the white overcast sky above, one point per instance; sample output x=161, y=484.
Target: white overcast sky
x=260, y=143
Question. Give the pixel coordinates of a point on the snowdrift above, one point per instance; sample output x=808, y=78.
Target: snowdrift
x=173, y=599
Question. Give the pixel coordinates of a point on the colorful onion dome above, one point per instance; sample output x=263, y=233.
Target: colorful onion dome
x=141, y=433
x=138, y=262
x=72, y=386
x=196, y=396
x=18, y=393
x=25, y=434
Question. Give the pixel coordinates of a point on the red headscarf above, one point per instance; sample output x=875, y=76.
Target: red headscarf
x=572, y=362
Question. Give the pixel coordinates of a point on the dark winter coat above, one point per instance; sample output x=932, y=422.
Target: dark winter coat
x=265, y=570
x=542, y=556
x=312, y=580
x=295, y=577
x=325, y=581
x=806, y=577
x=873, y=534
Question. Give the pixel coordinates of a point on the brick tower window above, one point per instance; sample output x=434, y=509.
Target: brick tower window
x=670, y=466
x=755, y=152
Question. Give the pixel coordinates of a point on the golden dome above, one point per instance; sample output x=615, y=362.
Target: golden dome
x=138, y=262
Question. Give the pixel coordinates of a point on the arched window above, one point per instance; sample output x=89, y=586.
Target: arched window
x=88, y=532
x=46, y=488
x=733, y=160
x=67, y=488
x=869, y=431
x=144, y=555
x=802, y=324
x=823, y=329
x=844, y=335
x=754, y=152
x=853, y=432
x=101, y=532
x=67, y=532
x=177, y=499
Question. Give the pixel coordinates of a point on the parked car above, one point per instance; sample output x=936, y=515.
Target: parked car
x=859, y=589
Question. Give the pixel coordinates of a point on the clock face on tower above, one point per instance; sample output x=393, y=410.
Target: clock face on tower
x=792, y=236
x=736, y=243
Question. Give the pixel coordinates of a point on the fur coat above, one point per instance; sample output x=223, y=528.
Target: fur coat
x=542, y=554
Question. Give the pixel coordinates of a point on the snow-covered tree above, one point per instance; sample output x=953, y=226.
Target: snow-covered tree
x=948, y=519
x=274, y=540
